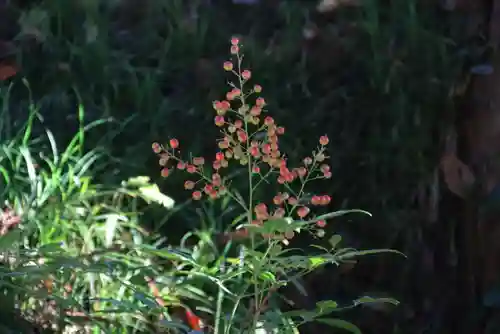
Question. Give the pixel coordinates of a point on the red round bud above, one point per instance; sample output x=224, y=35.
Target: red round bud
x=174, y=143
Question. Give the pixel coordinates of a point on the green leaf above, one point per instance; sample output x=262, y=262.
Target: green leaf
x=275, y=250
x=317, y=261
x=306, y=316
x=151, y=193
x=169, y=253
x=295, y=262
x=372, y=300
x=214, y=280
x=338, y=214
x=137, y=280
x=10, y=240
x=110, y=229
x=120, y=304
x=267, y=276
x=240, y=218
x=137, y=181
x=281, y=225
x=68, y=262
x=47, y=249
x=335, y=240
x=343, y=212
x=339, y=323
x=326, y=306
x=346, y=255
x=50, y=247
x=146, y=300
x=298, y=285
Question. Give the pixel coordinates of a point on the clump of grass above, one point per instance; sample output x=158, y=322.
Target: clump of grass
x=78, y=255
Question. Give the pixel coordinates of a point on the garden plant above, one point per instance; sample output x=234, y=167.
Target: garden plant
x=265, y=222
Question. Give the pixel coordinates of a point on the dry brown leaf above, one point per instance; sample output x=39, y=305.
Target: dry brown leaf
x=457, y=176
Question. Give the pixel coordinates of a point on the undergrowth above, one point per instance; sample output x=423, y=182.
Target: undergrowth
x=376, y=79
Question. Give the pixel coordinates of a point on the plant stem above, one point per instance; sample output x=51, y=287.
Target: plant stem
x=233, y=313
x=218, y=314
x=250, y=197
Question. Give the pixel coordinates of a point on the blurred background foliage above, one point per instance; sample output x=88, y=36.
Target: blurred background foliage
x=376, y=76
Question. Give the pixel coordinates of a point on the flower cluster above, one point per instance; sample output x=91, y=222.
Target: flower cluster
x=250, y=137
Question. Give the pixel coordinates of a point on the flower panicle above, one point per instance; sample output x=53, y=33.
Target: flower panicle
x=250, y=136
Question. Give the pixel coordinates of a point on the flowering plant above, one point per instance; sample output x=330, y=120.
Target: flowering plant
x=250, y=139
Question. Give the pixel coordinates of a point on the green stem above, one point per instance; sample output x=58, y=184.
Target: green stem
x=263, y=178
x=250, y=195
x=218, y=314
x=233, y=313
